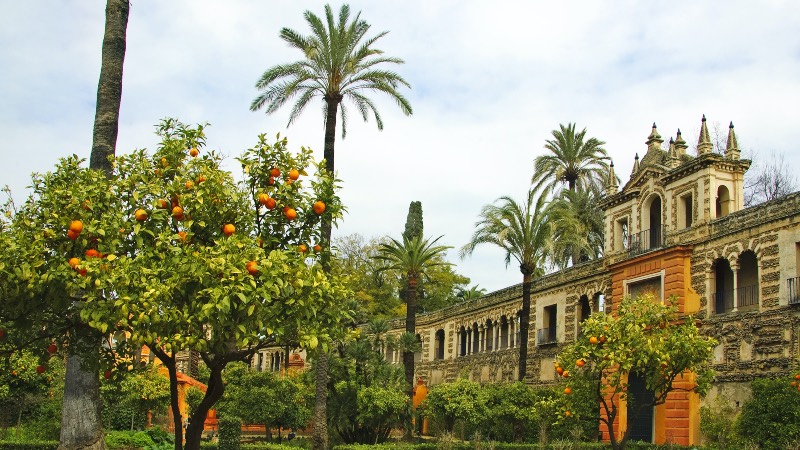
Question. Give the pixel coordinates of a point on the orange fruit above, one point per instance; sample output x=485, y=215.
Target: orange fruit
x=182, y=236
x=189, y=184
x=593, y=340
x=271, y=203
x=602, y=339
x=567, y=390
x=74, y=262
x=797, y=377
x=76, y=226
x=194, y=152
x=263, y=198
x=252, y=267
x=317, y=248
x=290, y=213
x=177, y=211
x=107, y=374
x=82, y=272
x=72, y=235
x=567, y=413
x=565, y=374
x=294, y=174
x=174, y=201
x=302, y=248
x=40, y=369
x=228, y=229
x=87, y=205
x=52, y=348
x=275, y=172
x=92, y=253
x=580, y=363
x=140, y=215
x=201, y=179
x=162, y=204
x=164, y=162
x=560, y=370
x=319, y=207
x=271, y=181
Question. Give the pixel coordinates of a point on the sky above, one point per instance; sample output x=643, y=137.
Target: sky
x=489, y=82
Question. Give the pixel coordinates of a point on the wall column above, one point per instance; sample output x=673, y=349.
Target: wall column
x=735, y=270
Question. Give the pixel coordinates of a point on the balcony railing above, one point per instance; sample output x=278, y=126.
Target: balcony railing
x=546, y=336
x=647, y=240
x=794, y=290
x=746, y=296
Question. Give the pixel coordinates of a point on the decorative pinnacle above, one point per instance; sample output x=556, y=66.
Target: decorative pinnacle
x=732, y=147
x=704, y=141
x=635, y=164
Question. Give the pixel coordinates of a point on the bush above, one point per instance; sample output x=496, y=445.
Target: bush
x=127, y=440
x=160, y=435
x=30, y=445
x=772, y=416
x=230, y=433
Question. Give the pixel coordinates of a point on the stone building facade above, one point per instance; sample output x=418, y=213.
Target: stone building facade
x=677, y=227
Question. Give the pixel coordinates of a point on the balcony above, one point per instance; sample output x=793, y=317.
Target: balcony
x=546, y=336
x=647, y=240
x=794, y=290
x=746, y=298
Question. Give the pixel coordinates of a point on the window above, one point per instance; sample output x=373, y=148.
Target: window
x=723, y=201
x=793, y=284
x=547, y=334
x=648, y=285
x=621, y=234
x=722, y=289
x=439, y=347
x=685, y=211
x=463, y=342
x=747, y=289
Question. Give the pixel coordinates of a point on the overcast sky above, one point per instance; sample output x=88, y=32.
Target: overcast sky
x=490, y=80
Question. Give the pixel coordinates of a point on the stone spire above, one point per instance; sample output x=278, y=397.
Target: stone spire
x=611, y=182
x=673, y=160
x=654, y=140
x=704, y=142
x=680, y=145
x=732, y=149
x=635, y=165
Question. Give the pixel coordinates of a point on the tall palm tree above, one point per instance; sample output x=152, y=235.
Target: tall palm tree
x=577, y=225
x=523, y=231
x=573, y=159
x=81, y=424
x=339, y=62
x=412, y=257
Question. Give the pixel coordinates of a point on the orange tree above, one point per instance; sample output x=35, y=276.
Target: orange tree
x=215, y=266
x=644, y=337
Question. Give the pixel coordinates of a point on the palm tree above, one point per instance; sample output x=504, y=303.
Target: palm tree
x=572, y=161
x=472, y=293
x=339, y=62
x=523, y=231
x=412, y=257
x=577, y=225
x=81, y=424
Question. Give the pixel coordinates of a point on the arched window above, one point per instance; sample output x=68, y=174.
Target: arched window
x=488, y=336
x=723, y=201
x=503, y=333
x=439, y=347
x=476, y=338
x=722, y=286
x=747, y=286
x=463, y=342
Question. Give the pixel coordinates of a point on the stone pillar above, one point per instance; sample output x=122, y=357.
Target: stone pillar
x=481, y=346
x=469, y=341
x=735, y=270
x=495, y=336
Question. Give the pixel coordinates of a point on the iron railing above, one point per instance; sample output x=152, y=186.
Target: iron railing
x=794, y=290
x=745, y=296
x=647, y=240
x=723, y=301
x=546, y=336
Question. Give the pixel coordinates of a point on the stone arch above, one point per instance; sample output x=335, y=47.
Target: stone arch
x=723, y=201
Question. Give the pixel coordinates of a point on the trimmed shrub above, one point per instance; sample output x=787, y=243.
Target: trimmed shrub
x=772, y=416
x=230, y=433
x=127, y=440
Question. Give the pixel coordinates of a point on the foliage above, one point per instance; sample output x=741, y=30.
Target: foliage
x=645, y=337
x=577, y=226
x=29, y=445
x=230, y=432
x=193, y=398
x=462, y=399
x=262, y=398
x=128, y=440
x=772, y=415
x=414, y=224
x=572, y=159
x=129, y=397
x=366, y=399
x=717, y=424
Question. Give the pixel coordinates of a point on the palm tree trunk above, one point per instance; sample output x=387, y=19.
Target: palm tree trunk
x=408, y=356
x=319, y=435
x=81, y=422
x=524, y=324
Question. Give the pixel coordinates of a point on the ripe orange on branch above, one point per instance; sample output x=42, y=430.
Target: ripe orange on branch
x=140, y=215
x=76, y=226
x=74, y=262
x=228, y=229
x=252, y=267
x=52, y=348
x=290, y=213
x=302, y=248
x=162, y=204
x=567, y=390
x=319, y=207
x=194, y=152
x=177, y=212
x=294, y=174
x=580, y=363
x=275, y=172
x=593, y=340
x=317, y=248
x=92, y=253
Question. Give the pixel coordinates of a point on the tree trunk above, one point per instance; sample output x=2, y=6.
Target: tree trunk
x=109, y=88
x=408, y=357
x=319, y=434
x=81, y=423
x=172, y=371
x=524, y=324
x=194, y=432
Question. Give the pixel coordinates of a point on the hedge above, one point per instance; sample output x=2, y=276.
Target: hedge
x=508, y=446
x=30, y=445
